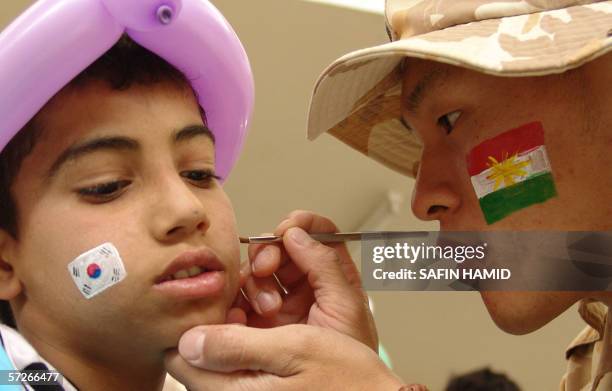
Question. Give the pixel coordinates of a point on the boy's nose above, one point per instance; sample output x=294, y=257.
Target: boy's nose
x=178, y=213
x=437, y=191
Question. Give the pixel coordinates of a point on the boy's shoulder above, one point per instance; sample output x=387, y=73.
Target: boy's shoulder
x=18, y=354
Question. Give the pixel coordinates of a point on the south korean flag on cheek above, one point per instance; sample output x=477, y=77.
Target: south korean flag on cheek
x=97, y=269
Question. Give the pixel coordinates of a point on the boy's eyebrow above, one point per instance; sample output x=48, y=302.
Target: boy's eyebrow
x=118, y=143
x=191, y=131
x=422, y=88
x=115, y=143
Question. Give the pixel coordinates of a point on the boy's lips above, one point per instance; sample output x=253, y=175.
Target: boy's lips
x=182, y=279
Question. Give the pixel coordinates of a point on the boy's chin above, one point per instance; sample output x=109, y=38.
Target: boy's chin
x=180, y=325
x=525, y=312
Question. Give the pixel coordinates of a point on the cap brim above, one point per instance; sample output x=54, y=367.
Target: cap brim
x=356, y=98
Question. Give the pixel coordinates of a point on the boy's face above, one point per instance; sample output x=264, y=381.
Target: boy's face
x=143, y=183
x=456, y=110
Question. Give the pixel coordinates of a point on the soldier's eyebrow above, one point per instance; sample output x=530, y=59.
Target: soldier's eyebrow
x=423, y=88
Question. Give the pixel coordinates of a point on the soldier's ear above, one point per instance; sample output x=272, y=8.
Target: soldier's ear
x=10, y=284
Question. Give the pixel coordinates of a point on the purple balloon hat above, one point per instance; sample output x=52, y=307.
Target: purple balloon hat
x=54, y=40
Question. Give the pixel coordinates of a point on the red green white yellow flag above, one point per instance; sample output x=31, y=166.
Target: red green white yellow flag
x=511, y=171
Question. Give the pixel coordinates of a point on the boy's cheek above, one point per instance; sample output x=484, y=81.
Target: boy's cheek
x=97, y=270
x=222, y=237
x=56, y=235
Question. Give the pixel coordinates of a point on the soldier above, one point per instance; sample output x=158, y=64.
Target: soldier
x=456, y=74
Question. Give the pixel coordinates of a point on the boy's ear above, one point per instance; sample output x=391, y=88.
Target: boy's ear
x=10, y=285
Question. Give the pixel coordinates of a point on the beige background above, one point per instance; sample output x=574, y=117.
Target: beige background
x=428, y=335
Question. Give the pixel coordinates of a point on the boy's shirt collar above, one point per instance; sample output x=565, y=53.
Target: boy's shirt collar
x=23, y=356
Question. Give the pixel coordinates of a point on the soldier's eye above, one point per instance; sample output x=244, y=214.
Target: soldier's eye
x=448, y=120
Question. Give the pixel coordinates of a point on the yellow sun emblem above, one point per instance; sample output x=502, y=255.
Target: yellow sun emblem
x=506, y=170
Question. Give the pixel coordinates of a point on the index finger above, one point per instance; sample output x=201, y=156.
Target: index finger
x=265, y=259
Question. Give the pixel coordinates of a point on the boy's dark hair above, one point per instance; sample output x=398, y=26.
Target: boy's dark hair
x=123, y=65
x=482, y=380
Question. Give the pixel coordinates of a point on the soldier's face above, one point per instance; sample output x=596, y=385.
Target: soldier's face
x=453, y=110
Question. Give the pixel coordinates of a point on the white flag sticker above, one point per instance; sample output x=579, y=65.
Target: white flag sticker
x=97, y=269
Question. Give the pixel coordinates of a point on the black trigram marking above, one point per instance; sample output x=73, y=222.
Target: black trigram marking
x=76, y=272
x=106, y=251
x=86, y=289
x=116, y=275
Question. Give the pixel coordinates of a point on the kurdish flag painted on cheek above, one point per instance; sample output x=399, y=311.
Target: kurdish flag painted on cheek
x=511, y=171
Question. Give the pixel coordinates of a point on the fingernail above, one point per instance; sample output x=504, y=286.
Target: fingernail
x=299, y=236
x=265, y=255
x=267, y=301
x=244, y=268
x=191, y=346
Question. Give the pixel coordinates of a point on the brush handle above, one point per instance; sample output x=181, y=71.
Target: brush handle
x=336, y=237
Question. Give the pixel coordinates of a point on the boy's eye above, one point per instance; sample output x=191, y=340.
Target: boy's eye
x=448, y=120
x=202, y=178
x=105, y=191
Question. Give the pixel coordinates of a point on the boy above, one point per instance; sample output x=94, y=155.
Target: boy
x=123, y=156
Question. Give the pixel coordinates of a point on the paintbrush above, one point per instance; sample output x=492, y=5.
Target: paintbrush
x=336, y=237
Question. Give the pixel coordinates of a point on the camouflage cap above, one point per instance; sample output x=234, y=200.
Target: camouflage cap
x=356, y=99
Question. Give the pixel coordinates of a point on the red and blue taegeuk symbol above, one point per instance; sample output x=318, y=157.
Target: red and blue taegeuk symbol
x=94, y=270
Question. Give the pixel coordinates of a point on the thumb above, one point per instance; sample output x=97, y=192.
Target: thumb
x=230, y=348
x=319, y=262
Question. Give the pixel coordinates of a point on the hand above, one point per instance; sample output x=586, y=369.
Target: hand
x=294, y=357
x=323, y=283
x=334, y=349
